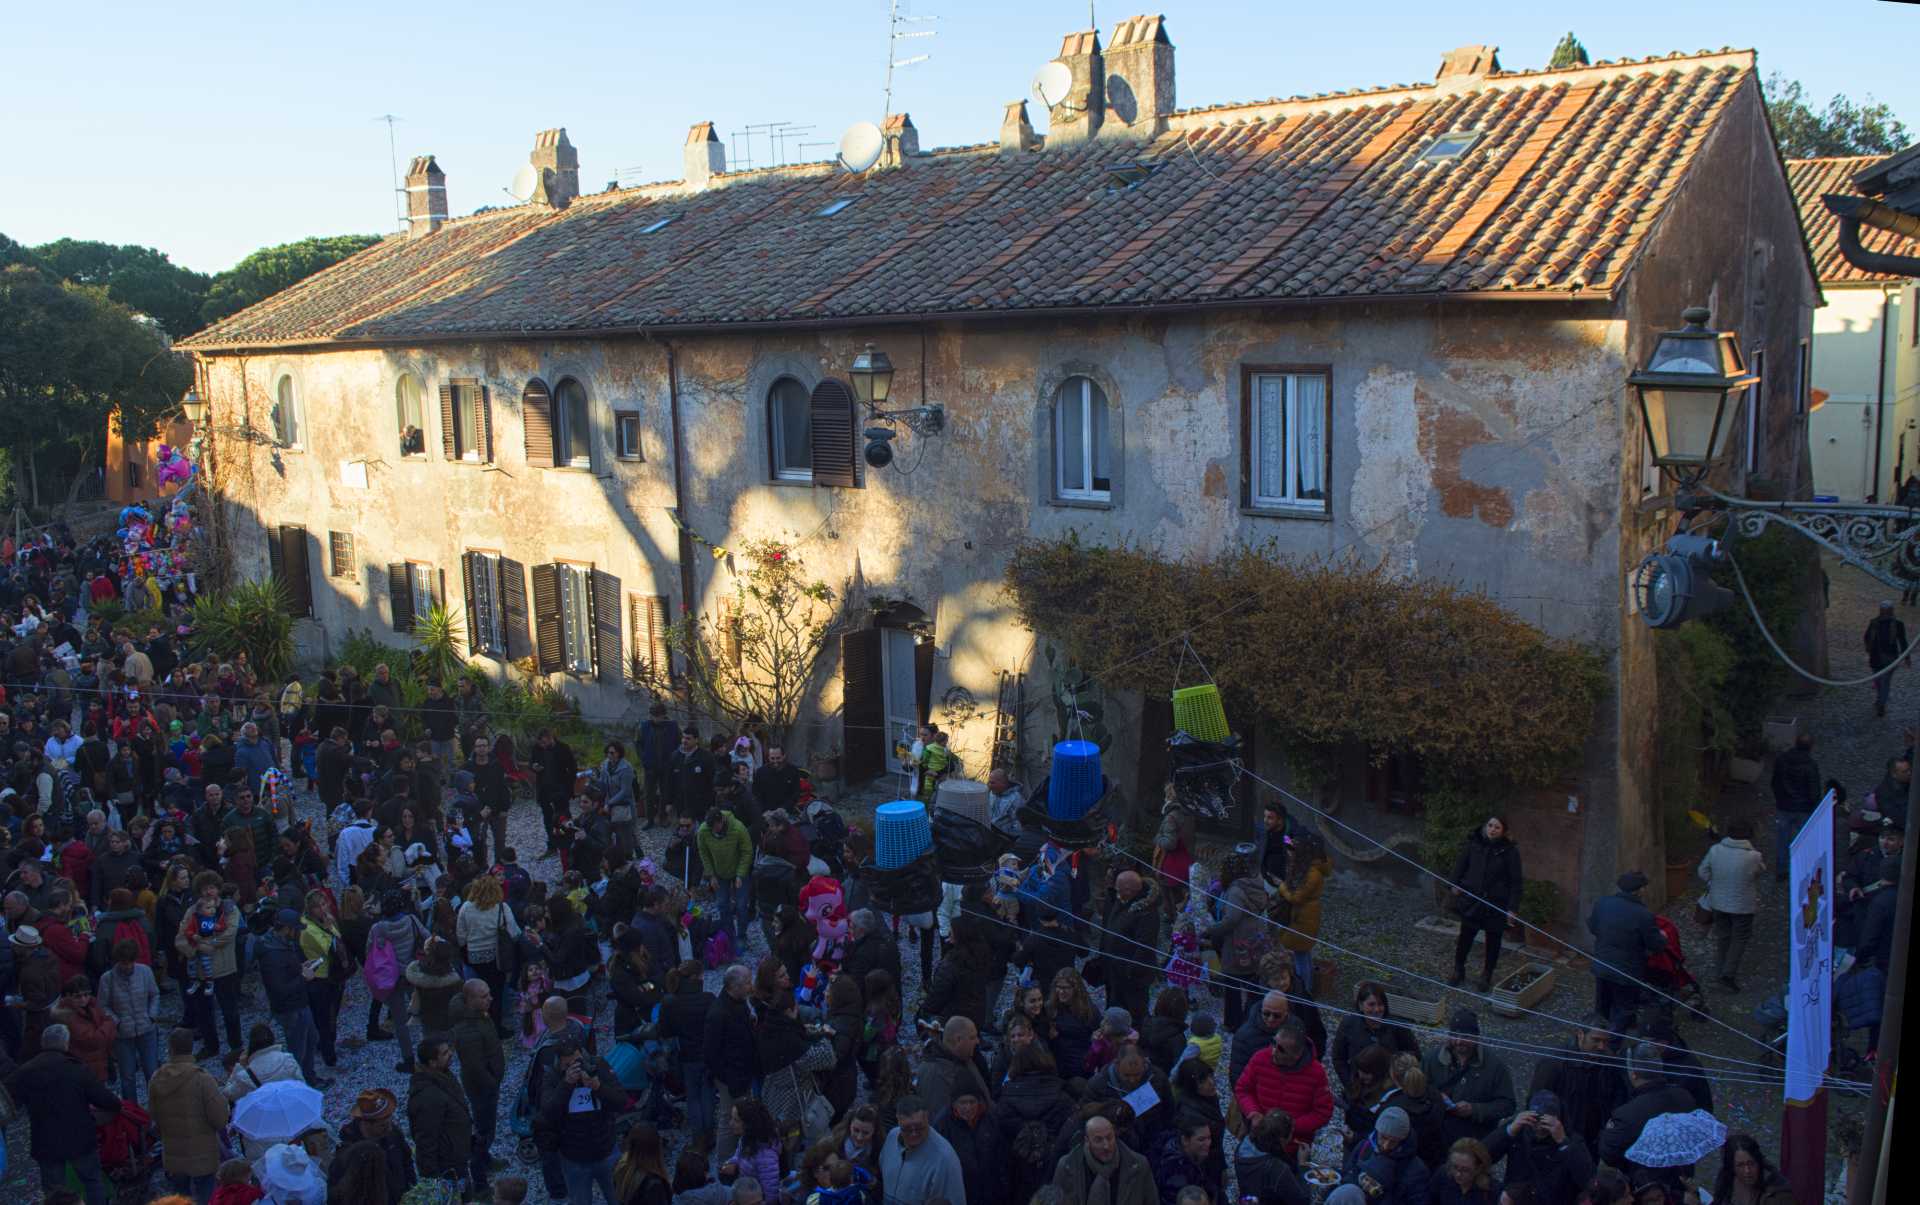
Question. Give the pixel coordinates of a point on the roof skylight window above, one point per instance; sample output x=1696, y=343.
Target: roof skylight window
x=1448, y=147
x=836, y=207
x=656, y=227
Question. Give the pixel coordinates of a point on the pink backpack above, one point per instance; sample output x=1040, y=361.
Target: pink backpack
x=719, y=950
x=382, y=968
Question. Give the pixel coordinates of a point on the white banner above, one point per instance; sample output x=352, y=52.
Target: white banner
x=1810, y=959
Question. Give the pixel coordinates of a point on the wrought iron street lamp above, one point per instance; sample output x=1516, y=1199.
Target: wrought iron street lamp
x=1683, y=393
x=872, y=373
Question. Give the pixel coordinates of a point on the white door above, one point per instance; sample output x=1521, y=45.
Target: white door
x=903, y=710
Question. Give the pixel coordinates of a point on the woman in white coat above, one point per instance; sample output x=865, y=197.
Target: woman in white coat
x=1732, y=870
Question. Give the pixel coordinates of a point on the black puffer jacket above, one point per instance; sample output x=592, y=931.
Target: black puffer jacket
x=1488, y=869
x=634, y=996
x=683, y=1017
x=1039, y=1100
x=731, y=1054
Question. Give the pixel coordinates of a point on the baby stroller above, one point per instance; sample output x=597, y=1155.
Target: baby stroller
x=129, y=1151
x=1667, y=970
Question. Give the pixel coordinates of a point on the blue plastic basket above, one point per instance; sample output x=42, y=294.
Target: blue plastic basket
x=1074, y=784
x=902, y=832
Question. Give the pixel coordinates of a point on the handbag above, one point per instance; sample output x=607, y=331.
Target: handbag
x=816, y=1115
x=1702, y=915
x=505, y=949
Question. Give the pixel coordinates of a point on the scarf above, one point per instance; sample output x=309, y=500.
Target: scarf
x=1100, y=1177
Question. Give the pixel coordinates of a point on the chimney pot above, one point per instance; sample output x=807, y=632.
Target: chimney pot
x=1016, y=132
x=1077, y=116
x=901, y=140
x=559, y=166
x=426, y=197
x=704, y=156
x=1139, y=79
x=1469, y=63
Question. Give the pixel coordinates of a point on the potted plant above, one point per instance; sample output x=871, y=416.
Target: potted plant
x=1540, y=908
x=825, y=765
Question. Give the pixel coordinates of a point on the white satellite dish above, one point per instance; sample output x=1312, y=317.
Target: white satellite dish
x=860, y=146
x=524, y=182
x=1052, y=82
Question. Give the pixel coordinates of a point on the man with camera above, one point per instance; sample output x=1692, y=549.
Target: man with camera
x=580, y=1102
x=1540, y=1151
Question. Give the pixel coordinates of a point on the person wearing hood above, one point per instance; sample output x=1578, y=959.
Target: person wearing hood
x=1476, y=1089
x=977, y=1144
x=1262, y=1168
x=1286, y=1077
x=1541, y=1151
x=1733, y=871
x=1131, y=942
x=189, y=1110
x=1103, y=1169
x=437, y=1115
x=1033, y=1096
x=1486, y=880
x=1624, y=937
x=1384, y=1165
x=1130, y=1072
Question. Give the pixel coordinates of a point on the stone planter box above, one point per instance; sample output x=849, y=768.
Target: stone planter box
x=1742, y=769
x=1780, y=731
x=1508, y=999
x=1415, y=1011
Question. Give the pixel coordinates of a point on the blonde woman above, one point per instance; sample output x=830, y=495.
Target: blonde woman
x=486, y=931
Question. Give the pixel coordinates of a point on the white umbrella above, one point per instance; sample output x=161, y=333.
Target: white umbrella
x=279, y=1111
x=1678, y=1139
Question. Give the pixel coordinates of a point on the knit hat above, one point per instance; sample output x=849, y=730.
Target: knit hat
x=1631, y=881
x=1464, y=1024
x=1117, y=1023
x=1393, y=1123
x=286, y=918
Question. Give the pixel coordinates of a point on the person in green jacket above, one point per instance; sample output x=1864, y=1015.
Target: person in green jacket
x=726, y=855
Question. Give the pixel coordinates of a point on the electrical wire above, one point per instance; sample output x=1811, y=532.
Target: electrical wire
x=1754, y=609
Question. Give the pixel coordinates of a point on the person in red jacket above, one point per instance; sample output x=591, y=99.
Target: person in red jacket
x=1287, y=1077
x=66, y=945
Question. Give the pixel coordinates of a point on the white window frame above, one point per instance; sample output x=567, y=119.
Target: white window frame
x=289, y=416
x=1289, y=497
x=626, y=435
x=469, y=425
x=576, y=617
x=1079, y=391
x=420, y=583
x=572, y=448
x=782, y=469
x=1756, y=396
x=400, y=414
x=489, y=611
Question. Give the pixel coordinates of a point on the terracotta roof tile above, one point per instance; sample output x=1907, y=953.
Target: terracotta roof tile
x=1814, y=178
x=1284, y=199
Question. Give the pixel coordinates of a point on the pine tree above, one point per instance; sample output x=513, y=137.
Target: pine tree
x=1569, y=53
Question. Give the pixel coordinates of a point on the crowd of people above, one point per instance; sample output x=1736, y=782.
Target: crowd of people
x=207, y=873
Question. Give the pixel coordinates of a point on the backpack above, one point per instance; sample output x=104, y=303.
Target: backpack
x=99, y=954
x=719, y=951
x=382, y=968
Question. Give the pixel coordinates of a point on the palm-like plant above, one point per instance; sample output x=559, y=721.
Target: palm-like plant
x=250, y=618
x=441, y=632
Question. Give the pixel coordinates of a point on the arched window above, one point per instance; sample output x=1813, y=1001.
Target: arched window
x=410, y=416
x=1082, y=439
x=790, y=421
x=571, y=430
x=288, y=426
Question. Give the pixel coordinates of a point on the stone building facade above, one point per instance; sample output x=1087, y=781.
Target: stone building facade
x=1393, y=325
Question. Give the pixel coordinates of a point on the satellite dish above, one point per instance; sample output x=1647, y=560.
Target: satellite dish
x=860, y=146
x=1052, y=82
x=524, y=182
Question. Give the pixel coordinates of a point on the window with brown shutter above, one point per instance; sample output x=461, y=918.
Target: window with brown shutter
x=536, y=410
x=400, y=595
x=340, y=562
x=647, y=616
x=549, y=639
x=835, y=452
x=863, y=707
x=609, y=664
x=513, y=605
x=467, y=414
x=293, y=561
x=448, y=443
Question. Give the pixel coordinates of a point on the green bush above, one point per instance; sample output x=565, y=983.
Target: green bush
x=249, y=618
x=1776, y=566
x=1539, y=903
x=1697, y=668
x=1452, y=812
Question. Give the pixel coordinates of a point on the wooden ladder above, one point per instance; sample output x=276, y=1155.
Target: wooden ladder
x=1006, y=722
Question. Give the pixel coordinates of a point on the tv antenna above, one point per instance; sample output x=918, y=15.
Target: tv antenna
x=525, y=181
x=897, y=35
x=860, y=146
x=393, y=163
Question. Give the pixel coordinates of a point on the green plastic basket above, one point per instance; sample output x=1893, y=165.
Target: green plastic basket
x=1198, y=712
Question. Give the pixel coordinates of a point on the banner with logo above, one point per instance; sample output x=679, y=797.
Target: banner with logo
x=1810, y=961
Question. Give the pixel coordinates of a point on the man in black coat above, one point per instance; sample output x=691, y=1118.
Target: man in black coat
x=690, y=776
x=60, y=1095
x=554, y=769
x=1541, y=1151
x=1796, y=792
x=1586, y=1085
x=776, y=785
x=582, y=1098
x=731, y=1053
x=1131, y=943
x=870, y=948
x=1886, y=641
x=977, y=1143
x=1652, y=1096
x=1624, y=937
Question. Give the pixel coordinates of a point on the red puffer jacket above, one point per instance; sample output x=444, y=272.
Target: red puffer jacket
x=1300, y=1090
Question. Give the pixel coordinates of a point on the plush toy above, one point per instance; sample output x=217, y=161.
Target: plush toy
x=830, y=928
x=173, y=467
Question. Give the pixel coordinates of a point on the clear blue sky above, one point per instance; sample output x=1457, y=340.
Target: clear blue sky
x=209, y=128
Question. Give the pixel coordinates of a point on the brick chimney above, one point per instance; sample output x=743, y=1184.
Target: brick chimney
x=1139, y=62
x=559, y=166
x=704, y=156
x=1016, y=132
x=426, y=197
x=1076, y=118
x=901, y=140
x=1465, y=66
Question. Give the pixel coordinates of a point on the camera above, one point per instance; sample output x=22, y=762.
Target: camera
x=879, y=451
